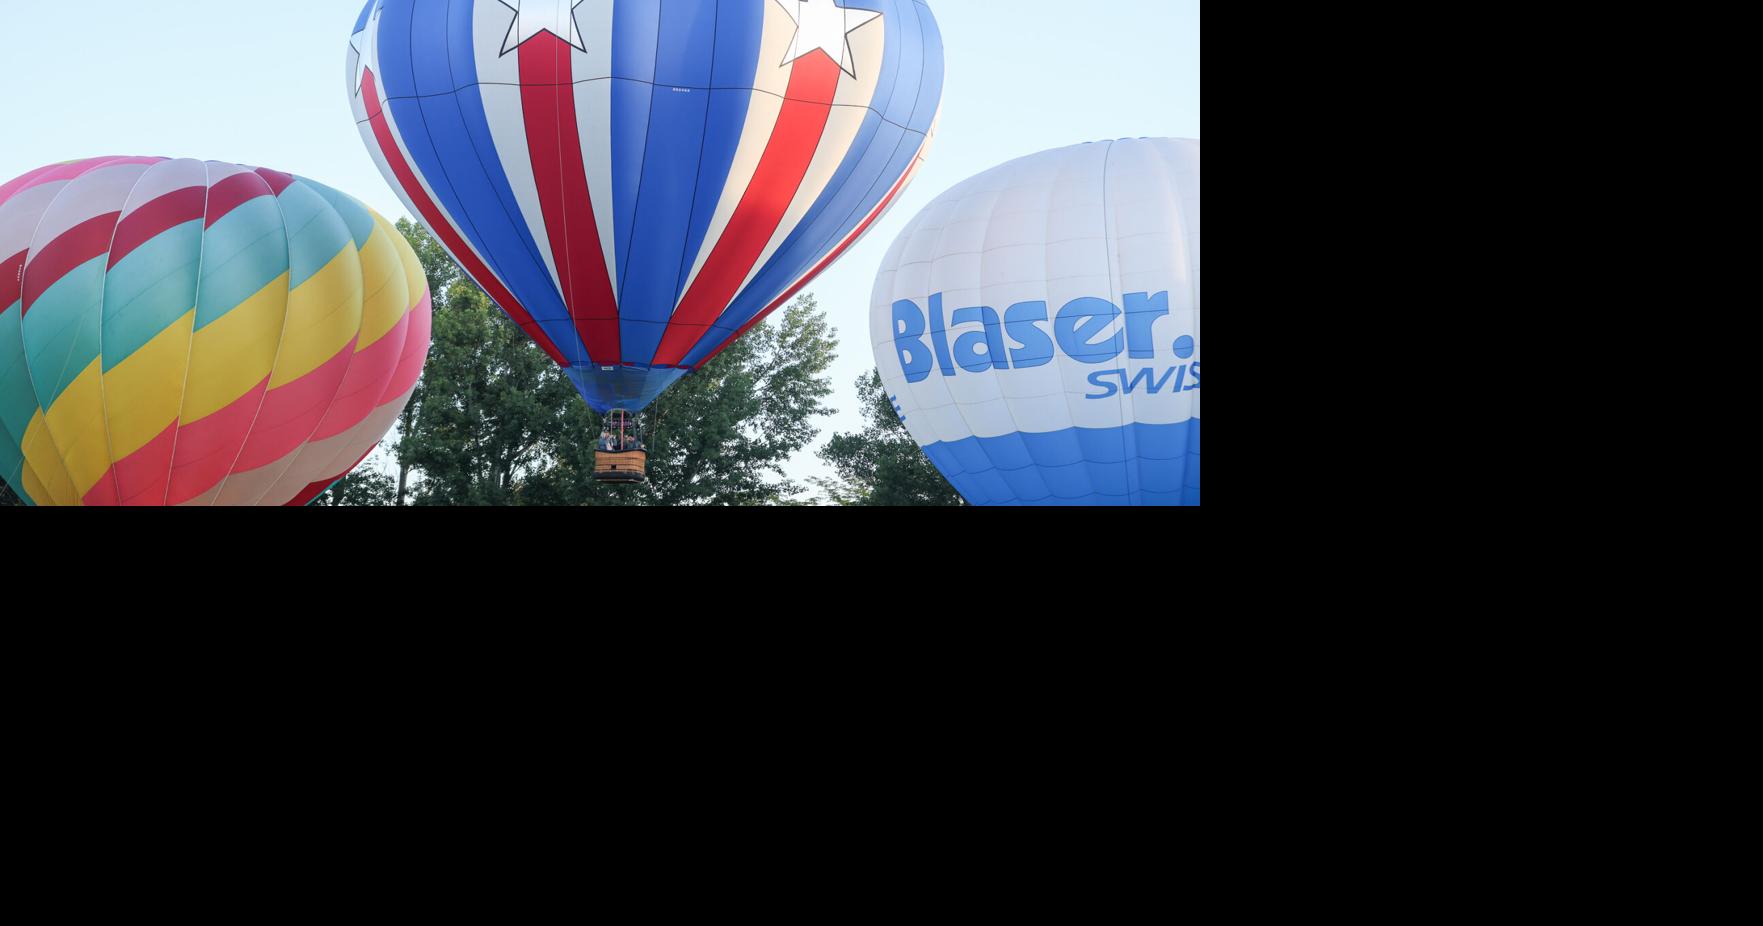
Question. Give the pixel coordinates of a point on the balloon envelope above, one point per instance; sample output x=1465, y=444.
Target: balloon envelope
x=1038, y=328
x=638, y=182
x=180, y=332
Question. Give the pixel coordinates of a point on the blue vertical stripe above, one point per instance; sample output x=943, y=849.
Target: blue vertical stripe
x=740, y=31
x=450, y=146
x=679, y=104
x=892, y=134
x=636, y=28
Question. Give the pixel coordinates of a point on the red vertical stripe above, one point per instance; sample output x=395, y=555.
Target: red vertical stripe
x=547, y=97
x=443, y=229
x=807, y=106
x=819, y=268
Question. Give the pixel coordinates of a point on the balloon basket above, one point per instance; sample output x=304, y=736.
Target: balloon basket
x=620, y=457
x=630, y=468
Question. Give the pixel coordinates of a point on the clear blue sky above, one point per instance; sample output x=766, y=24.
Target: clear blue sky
x=258, y=82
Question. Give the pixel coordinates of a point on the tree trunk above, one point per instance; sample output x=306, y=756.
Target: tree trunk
x=408, y=417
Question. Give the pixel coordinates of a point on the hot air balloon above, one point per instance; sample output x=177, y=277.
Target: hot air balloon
x=638, y=182
x=181, y=332
x=1038, y=328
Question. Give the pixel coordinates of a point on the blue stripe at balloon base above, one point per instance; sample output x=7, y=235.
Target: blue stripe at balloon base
x=1135, y=465
x=629, y=388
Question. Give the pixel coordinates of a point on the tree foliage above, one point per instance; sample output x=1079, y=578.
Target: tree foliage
x=442, y=273
x=722, y=435
x=495, y=422
x=493, y=406
x=882, y=465
x=369, y=486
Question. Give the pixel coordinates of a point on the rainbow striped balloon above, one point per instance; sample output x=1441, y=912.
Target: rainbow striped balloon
x=181, y=332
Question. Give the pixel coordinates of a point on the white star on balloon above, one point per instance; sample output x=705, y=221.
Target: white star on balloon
x=364, y=41
x=532, y=17
x=822, y=25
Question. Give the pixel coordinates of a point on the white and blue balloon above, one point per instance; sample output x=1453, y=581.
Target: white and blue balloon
x=1038, y=328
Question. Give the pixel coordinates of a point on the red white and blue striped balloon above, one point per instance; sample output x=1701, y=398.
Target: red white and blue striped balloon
x=638, y=182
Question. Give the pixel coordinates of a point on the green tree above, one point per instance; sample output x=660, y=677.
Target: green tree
x=442, y=273
x=722, y=435
x=495, y=422
x=882, y=465
x=493, y=406
x=369, y=486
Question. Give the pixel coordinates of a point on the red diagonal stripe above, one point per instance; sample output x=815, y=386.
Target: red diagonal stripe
x=157, y=217
x=807, y=105
x=11, y=279
x=292, y=411
x=83, y=242
x=205, y=449
x=547, y=98
x=318, y=488
x=443, y=229
x=416, y=350
x=139, y=478
x=277, y=180
x=233, y=192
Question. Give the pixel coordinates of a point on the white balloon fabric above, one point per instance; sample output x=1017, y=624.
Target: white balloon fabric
x=1038, y=328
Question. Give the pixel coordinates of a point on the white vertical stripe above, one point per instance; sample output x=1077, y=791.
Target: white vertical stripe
x=770, y=83
x=506, y=116
x=593, y=115
x=850, y=107
x=385, y=167
x=593, y=118
x=498, y=81
x=595, y=19
x=887, y=204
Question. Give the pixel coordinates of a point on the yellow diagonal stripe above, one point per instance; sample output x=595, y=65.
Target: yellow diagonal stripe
x=323, y=314
x=382, y=273
x=143, y=393
x=76, y=421
x=58, y=490
x=235, y=352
